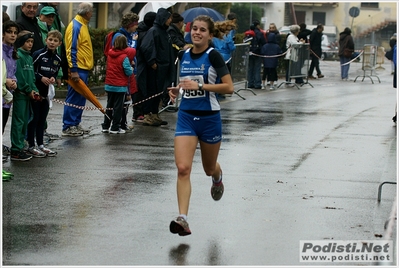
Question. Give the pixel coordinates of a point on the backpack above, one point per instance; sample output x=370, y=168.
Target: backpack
x=108, y=42
x=250, y=37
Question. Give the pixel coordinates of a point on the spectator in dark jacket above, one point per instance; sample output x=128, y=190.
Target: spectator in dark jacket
x=159, y=60
x=273, y=29
x=315, y=53
x=255, y=62
x=392, y=43
x=303, y=32
x=142, y=29
x=345, y=43
x=271, y=49
x=28, y=21
x=46, y=63
x=176, y=34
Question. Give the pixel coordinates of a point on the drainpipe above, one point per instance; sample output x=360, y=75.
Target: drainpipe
x=293, y=13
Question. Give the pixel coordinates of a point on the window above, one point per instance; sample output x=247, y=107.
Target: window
x=93, y=19
x=319, y=17
x=369, y=5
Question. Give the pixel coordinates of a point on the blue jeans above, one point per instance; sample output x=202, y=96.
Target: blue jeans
x=344, y=68
x=254, y=68
x=73, y=116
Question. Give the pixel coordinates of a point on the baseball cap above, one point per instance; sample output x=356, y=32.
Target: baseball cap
x=47, y=11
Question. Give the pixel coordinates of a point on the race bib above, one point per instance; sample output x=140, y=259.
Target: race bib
x=192, y=94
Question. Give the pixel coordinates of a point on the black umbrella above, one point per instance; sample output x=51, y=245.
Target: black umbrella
x=190, y=14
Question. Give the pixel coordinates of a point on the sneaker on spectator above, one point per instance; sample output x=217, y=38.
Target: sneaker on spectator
x=20, y=156
x=105, y=130
x=119, y=131
x=72, y=132
x=159, y=119
x=6, y=150
x=128, y=128
x=179, y=226
x=51, y=136
x=150, y=120
x=47, y=151
x=140, y=119
x=35, y=152
x=85, y=131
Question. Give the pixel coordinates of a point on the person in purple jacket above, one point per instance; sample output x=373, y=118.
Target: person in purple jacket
x=10, y=32
x=271, y=49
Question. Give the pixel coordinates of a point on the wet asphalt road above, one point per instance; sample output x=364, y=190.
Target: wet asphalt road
x=298, y=165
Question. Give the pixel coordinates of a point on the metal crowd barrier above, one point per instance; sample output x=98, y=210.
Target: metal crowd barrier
x=380, y=58
x=239, y=67
x=174, y=106
x=298, y=64
x=369, y=62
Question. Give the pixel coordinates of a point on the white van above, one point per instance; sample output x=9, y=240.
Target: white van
x=13, y=9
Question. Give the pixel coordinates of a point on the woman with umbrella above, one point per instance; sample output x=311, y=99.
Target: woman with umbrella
x=203, y=75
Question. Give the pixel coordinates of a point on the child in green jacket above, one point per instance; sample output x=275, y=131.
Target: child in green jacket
x=26, y=90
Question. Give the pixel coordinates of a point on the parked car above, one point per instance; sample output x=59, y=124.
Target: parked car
x=329, y=49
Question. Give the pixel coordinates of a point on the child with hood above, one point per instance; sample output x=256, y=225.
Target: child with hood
x=271, y=49
x=119, y=69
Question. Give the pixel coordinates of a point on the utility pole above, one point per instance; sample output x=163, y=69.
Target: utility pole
x=250, y=16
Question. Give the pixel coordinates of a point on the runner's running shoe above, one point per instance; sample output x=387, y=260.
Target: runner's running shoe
x=217, y=189
x=179, y=226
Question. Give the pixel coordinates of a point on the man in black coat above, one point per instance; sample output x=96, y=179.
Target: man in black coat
x=315, y=46
x=28, y=21
x=141, y=77
x=255, y=61
x=157, y=50
x=177, y=37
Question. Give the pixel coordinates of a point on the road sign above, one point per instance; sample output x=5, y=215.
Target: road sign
x=354, y=12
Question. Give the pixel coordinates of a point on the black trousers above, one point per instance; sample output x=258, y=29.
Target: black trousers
x=115, y=101
x=6, y=115
x=315, y=64
x=40, y=110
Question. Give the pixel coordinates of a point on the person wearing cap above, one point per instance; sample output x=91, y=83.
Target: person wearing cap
x=27, y=21
x=178, y=43
x=58, y=24
x=25, y=91
x=46, y=24
x=79, y=52
x=176, y=34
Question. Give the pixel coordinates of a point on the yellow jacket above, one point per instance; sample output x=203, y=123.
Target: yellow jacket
x=79, y=49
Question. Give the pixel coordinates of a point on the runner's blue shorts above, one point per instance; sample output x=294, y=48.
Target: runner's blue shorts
x=208, y=128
